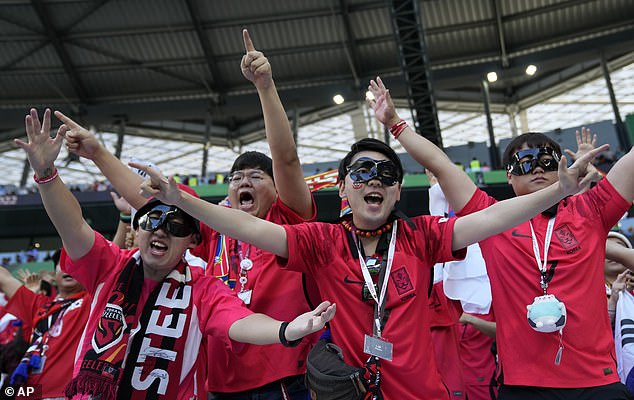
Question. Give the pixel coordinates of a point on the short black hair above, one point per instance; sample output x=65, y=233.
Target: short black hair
x=532, y=140
x=369, y=144
x=46, y=287
x=253, y=159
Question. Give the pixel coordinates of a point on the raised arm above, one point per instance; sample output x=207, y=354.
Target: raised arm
x=8, y=284
x=83, y=143
x=123, y=226
x=287, y=170
x=262, y=329
x=61, y=206
x=456, y=184
x=511, y=212
x=620, y=176
x=232, y=222
x=620, y=254
x=586, y=141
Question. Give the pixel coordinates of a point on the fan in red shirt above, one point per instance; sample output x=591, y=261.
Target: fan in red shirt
x=54, y=328
x=555, y=258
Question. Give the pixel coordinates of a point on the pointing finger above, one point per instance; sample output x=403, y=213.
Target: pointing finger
x=66, y=120
x=248, y=44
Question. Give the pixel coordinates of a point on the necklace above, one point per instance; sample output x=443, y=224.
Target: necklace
x=359, y=232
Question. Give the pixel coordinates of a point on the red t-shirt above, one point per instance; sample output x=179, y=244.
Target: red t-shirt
x=62, y=338
x=445, y=338
x=275, y=292
x=322, y=251
x=478, y=362
x=577, y=248
x=215, y=308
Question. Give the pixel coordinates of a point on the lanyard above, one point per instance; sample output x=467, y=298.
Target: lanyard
x=546, y=277
x=380, y=299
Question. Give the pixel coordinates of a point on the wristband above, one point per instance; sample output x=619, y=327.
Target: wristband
x=125, y=218
x=398, y=128
x=282, y=335
x=46, y=179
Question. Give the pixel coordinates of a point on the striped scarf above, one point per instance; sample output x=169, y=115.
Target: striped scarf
x=138, y=357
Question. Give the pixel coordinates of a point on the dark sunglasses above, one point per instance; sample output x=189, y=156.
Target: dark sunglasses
x=544, y=157
x=165, y=216
x=365, y=169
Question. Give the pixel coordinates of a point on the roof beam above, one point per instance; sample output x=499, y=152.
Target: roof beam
x=53, y=37
x=205, y=44
x=352, y=52
x=500, y=30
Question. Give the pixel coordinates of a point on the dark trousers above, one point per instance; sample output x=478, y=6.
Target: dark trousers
x=293, y=385
x=614, y=391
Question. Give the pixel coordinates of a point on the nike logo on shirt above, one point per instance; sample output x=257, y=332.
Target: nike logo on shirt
x=517, y=234
x=347, y=280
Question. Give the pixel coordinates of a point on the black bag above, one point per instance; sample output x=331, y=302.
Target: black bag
x=328, y=377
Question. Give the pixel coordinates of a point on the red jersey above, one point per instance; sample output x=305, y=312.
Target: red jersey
x=478, y=362
x=275, y=292
x=215, y=308
x=577, y=252
x=445, y=338
x=322, y=251
x=62, y=338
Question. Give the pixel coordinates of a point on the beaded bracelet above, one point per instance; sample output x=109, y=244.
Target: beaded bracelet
x=46, y=179
x=125, y=218
x=398, y=128
x=282, y=335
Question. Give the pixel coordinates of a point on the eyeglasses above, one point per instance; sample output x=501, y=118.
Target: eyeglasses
x=254, y=177
x=169, y=217
x=544, y=157
x=365, y=169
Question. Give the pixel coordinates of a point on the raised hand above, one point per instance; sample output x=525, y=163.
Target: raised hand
x=255, y=67
x=311, y=321
x=79, y=140
x=586, y=141
x=157, y=185
x=576, y=178
x=31, y=281
x=122, y=204
x=384, y=110
x=41, y=149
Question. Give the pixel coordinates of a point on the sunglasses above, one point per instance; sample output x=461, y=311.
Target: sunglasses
x=544, y=157
x=365, y=169
x=168, y=217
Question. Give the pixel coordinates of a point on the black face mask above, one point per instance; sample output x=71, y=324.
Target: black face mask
x=544, y=157
x=164, y=216
x=365, y=169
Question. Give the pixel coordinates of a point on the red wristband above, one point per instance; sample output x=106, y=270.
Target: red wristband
x=398, y=128
x=47, y=179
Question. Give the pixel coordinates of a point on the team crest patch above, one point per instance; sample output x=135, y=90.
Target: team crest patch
x=566, y=238
x=110, y=328
x=401, y=280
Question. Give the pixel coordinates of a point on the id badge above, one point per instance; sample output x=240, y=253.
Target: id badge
x=39, y=370
x=245, y=296
x=377, y=347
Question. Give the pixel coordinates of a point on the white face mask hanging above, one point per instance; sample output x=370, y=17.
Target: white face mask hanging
x=547, y=314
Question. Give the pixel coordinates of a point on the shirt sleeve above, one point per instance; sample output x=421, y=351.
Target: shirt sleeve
x=24, y=304
x=479, y=201
x=220, y=307
x=305, y=246
x=603, y=201
x=434, y=238
x=281, y=213
x=94, y=266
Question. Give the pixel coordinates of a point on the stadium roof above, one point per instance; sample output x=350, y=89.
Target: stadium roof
x=164, y=69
